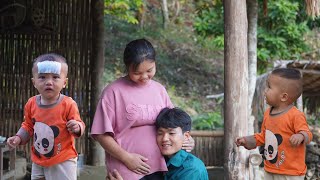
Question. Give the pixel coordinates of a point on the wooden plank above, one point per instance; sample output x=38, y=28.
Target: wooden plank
x=209, y=149
x=207, y=133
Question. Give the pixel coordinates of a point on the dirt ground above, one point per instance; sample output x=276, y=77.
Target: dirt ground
x=92, y=173
x=99, y=173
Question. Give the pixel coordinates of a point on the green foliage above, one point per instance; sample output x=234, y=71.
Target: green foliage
x=123, y=9
x=208, y=121
x=280, y=33
x=218, y=41
x=209, y=20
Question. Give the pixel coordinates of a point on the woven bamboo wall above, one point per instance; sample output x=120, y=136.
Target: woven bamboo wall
x=209, y=147
x=33, y=27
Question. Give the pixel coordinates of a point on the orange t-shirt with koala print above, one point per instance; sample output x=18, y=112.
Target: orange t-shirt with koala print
x=52, y=142
x=280, y=156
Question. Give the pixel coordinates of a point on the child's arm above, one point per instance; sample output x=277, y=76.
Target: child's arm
x=21, y=138
x=134, y=162
x=301, y=137
x=249, y=142
x=301, y=130
x=13, y=141
x=296, y=139
x=74, y=124
x=75, y=127
x=26, y=130
x=307, y=136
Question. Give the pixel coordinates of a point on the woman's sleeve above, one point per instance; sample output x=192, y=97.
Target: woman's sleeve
x=167, y=99
x=104, y=119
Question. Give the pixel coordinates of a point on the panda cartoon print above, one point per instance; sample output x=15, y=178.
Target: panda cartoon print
x=271, y=146
x=44, y=136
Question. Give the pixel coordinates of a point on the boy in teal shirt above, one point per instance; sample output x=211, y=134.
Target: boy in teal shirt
x=173, y=127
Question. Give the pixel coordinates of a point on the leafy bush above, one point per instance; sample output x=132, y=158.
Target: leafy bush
x=123, y=9
x=208, y=121
x=280, y=33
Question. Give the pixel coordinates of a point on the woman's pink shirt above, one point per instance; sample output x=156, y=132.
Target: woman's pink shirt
x=128, y=111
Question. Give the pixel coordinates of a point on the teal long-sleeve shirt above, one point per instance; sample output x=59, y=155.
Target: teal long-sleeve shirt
x=185, y=166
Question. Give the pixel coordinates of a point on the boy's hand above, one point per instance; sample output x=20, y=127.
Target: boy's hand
x=137, y=164
x=73, y=126
x=240, y=141
x=188, y=144
x=13, y=141
x=296, y=139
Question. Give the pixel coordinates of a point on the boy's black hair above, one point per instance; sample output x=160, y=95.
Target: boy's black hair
x=288, y=73
x=173, y=118
x=138, y=51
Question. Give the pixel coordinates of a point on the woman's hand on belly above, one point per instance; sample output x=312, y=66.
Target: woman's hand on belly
x=137, y=163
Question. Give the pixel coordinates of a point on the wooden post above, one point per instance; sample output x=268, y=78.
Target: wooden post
x=96, y=156
x=236, y=88
x=252, y=13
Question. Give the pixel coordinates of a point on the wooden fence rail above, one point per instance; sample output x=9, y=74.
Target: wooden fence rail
x=209, y=147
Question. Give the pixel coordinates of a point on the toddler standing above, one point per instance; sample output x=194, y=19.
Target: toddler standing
x=53, y=120
x=284, y=131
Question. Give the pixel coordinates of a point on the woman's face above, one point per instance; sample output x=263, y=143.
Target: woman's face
x=144, y=72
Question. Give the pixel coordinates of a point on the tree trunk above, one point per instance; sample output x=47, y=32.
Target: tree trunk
x=97, y=67
x=165, y=13
x=252, y=11
x=252, y=53
x=236, y=88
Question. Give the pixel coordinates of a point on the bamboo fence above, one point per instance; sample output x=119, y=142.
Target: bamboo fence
x=60, y=26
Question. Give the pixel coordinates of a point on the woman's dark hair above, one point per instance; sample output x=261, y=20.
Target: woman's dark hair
x=173, y=118
x=138, y=51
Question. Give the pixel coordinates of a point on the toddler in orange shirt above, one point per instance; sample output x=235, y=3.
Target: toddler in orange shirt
x=53, y=120
x=284, y=131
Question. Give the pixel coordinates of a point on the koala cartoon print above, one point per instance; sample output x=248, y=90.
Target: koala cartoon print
x=271, y=146
x=44, y=136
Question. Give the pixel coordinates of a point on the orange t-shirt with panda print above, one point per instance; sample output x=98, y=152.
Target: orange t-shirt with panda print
x=280, y=156
x=52, y=142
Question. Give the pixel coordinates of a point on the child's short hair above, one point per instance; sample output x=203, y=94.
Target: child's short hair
x=138, y=51
x=287, y=73
x=50, y=57
x=295, y=85
x=173, y=118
